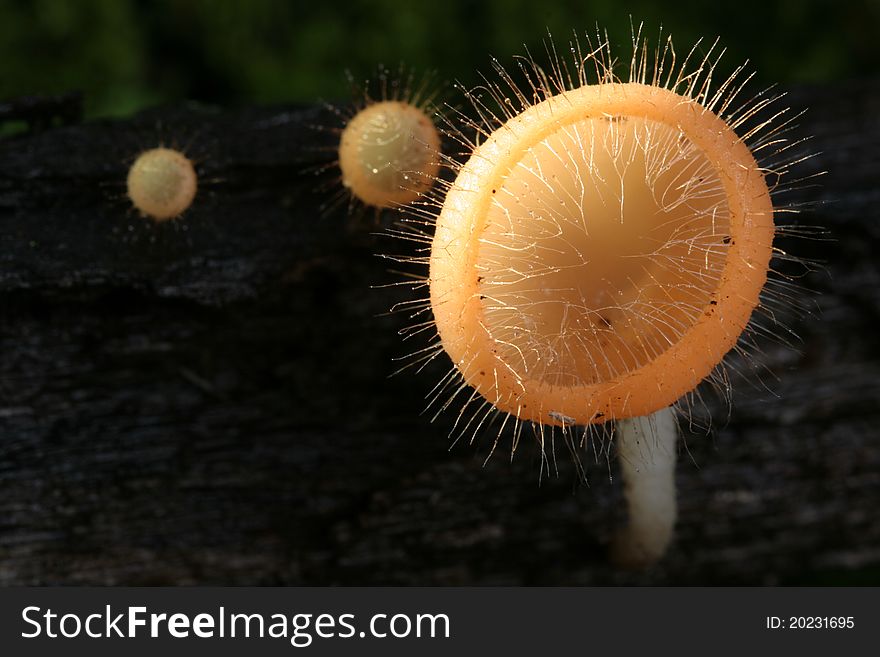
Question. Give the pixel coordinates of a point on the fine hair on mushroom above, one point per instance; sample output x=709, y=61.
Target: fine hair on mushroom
x=165, y=179
x=604, y=248
x=387, y=145
x=162, y=183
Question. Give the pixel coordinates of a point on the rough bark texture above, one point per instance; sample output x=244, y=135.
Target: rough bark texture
x=207, y=401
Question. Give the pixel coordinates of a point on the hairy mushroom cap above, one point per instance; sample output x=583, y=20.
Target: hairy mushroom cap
x=388, y=153
x=162, y=183
x=599, y=254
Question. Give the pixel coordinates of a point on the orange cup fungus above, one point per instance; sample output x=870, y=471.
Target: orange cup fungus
x=604, y=246
x=162, y=183
x=388, y=153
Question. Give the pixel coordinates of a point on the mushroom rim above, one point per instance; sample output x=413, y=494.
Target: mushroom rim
x=453, y=275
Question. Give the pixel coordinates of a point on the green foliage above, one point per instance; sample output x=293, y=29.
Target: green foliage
x=125, y=55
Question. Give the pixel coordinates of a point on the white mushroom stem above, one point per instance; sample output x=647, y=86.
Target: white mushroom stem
x=646, y=447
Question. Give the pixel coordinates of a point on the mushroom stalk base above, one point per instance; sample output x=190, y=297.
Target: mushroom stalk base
x=647, y=451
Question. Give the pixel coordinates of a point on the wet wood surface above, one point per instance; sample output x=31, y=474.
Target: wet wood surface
x=208, y=401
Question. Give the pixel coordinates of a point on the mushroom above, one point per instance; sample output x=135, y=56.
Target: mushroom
x=388, y=154
x=162, y=183
x=601, y=250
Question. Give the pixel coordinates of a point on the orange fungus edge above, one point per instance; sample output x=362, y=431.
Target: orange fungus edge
x=453, y=275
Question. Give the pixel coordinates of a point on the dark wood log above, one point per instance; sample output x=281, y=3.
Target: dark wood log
x=207, y=401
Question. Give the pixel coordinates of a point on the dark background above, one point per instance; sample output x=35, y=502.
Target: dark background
x=129, y=55
x=208, y=402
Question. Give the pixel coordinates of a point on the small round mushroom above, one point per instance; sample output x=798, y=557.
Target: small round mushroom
x=162, y=183
x=388, y=153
